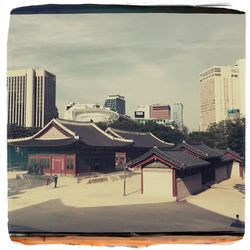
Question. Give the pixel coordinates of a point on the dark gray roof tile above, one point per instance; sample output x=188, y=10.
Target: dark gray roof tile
x=179, y=158
x=140, y=139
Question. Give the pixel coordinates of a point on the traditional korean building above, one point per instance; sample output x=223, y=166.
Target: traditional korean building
x=178, y=172
x=70, y=147
x=142, y=141
x=238, y=168
x=220, y=166
x=172, y=174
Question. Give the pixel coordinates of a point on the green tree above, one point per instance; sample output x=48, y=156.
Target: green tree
x=236, y=136
x=15, y=131
x=223, y=135
x=164, y=133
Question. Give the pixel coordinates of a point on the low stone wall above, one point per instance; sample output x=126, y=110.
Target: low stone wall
x=97, y=180
x=188, y=186
x=110, y=177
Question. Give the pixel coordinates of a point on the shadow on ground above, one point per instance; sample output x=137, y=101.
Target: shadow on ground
x=17, y=186
x=240, y=188
x=173, y=217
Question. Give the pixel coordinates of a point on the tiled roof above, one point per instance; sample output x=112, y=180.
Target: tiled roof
x=140, y=139
x=225, y=159
x=178, y=158
x=92, y=135
x=87, y=133
x=233, y=153
x=201, y=149
x=43, y=143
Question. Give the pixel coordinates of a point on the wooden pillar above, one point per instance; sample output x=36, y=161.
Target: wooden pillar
x=142, y=180
x=75, y=164
x=174, y=183
x=64, y=159
x=50, y=164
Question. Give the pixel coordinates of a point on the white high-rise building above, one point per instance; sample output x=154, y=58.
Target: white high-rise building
x=177, y=114
x=31, y=97
x=221, y=88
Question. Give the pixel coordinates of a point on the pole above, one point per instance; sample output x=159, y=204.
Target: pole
x=124, y=181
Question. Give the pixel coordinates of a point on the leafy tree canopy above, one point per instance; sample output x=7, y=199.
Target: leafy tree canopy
x=167, y=134
x=15, y=131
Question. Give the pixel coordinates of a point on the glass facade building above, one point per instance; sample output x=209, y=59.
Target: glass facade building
x=115, y=103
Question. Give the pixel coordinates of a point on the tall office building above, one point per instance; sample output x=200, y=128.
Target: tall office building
x=177, y=114
x=31, y=97
x=221, y=88
x=115, y=103
x=160, y=112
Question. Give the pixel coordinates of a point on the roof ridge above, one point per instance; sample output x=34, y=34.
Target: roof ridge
x=41, y=130
x=168, y=143
x=198, y=150
x=72, y=122
x=130, y=132
x=110, y=136
x=109, y=129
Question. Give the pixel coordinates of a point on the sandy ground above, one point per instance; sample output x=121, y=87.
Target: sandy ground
x=74, y=194
x=223, y=198
x=226, y=198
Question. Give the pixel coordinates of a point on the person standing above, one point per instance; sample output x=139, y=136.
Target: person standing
x=55, y=180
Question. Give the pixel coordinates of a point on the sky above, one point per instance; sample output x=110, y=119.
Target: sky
x=148, y=58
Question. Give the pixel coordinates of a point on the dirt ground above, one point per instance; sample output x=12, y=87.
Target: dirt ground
x=226, y=198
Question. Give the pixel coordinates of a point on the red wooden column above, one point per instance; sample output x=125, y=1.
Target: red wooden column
x=174, y=183
x=75, y=164
x=141, y=179
x=64, y=160
x=50, y=164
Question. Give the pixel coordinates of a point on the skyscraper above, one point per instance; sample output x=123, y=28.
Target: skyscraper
x=31, y=97
x=221, y=88
x=160, y=112
x=115, y=103
x=177, y=114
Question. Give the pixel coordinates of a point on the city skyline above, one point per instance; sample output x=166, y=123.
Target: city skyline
x=148, y=58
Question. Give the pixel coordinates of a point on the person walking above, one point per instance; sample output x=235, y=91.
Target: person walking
x=47, y=180
x=55, y=180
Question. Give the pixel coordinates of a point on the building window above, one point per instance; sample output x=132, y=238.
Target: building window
x=69, y=164
x=33, y=163
x=217, y=70
x=43, y=163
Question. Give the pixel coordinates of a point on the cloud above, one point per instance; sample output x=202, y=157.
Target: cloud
x=149, y=58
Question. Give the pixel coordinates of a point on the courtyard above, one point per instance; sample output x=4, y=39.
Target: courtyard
x=76, y=206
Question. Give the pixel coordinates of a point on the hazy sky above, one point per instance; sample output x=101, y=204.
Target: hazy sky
x=148, y=58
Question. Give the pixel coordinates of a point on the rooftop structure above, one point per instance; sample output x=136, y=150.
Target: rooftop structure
x=91, y=112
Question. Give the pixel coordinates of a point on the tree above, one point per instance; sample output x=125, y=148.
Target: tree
x=15, y=131
x=205, y=137
x=223, y=135
x=164, y=133
x=236, y=136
